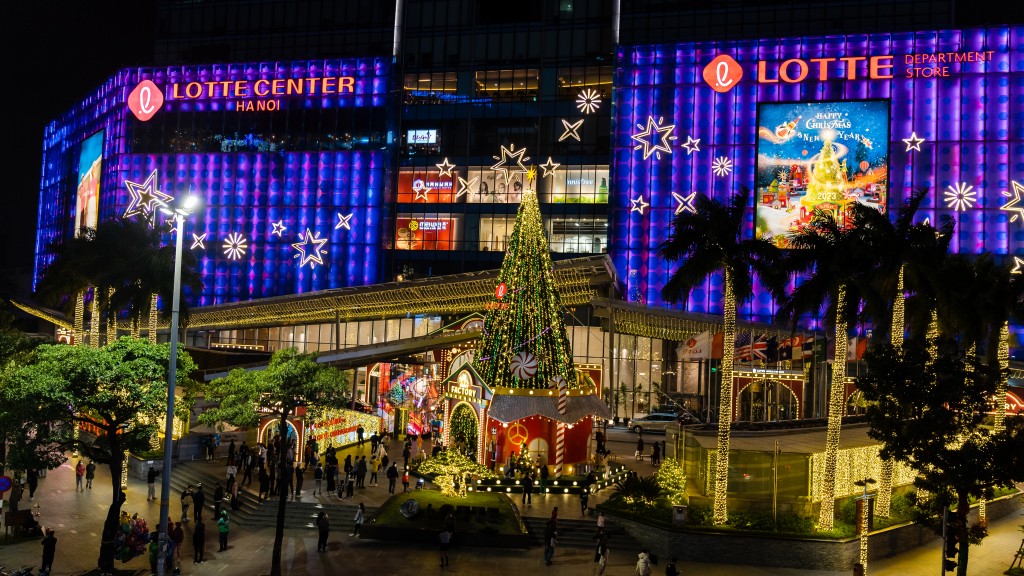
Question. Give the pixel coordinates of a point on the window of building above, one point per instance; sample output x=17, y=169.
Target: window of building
x=495, y=232
x=576, y=185
x=434, y=232
x=577, y=235
x=572, y=81
x=425, y=185
x=508, y=84
x=428, y=87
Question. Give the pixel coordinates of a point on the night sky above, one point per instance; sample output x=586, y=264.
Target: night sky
x=57, y=53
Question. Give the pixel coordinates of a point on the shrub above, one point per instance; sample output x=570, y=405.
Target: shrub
x=795, y=524
x=700, y=515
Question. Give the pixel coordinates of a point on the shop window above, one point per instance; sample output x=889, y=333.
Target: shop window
x=495, y=232
x=426, y=185
x=490, y=187
x=577, y=235
x=576, y=185
x=436, y=232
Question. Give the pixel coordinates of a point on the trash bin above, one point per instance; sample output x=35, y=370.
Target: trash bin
x=679, y=515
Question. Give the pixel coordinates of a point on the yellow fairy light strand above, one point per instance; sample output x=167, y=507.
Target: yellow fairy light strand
x=152, y=319
x=721, y=512
x=94, y=320
x=111, y=317
x=883, y=501
x=80, y=318
x=836, y=403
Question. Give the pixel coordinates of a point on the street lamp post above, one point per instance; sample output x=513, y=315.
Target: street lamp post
x=864, y=523
x=172, y=369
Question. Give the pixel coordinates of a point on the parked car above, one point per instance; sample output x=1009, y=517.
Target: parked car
x=654, y=422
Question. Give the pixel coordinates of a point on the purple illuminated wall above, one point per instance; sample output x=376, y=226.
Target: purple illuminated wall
x=972, y=122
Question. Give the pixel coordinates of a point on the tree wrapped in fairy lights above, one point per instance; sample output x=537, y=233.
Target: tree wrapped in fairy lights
x=525, y=343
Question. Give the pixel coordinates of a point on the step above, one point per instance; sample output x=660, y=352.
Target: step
x=580, y=533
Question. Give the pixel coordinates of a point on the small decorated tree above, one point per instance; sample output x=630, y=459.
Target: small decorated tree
x=453, y=471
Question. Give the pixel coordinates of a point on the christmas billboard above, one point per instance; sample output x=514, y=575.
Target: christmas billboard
x=822, y=156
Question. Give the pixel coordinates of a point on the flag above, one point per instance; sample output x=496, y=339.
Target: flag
x=856, y=349
x=791, y=348
x=744, y=348
x=695, y=348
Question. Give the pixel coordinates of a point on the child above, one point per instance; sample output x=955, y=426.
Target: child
x=405, y=481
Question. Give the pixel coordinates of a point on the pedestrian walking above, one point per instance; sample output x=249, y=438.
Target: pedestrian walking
x=248, y=463
x=361, y=473
x=318, y=479
x=222, y=530
x=405, y=481
x=49, y=549
x=359, y=436
x=550, y=540
x=643, y=563
x=331, y=475
x=300, y=476
x=178, y=537
x=656, y=454
x=199, y=541
x=350, y=485
x=407, y=453
x=374, y=442
x=210, y=447
x=584, y=499
x=151, y=483
x=602, y=558
x=218, y=500
x=374, y=467
x=186, y=501
x=360, y=516
x=600, y=522
x=543, y=480
x=323, y=526
x=639, y=456
x=90, y=473
x=198, y=501
x=33, y=482
x=264, y=481
x=231, y=453
x=392, y=475
x=80, y=476
x=446, y=539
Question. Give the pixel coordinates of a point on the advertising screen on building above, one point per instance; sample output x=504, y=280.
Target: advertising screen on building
x=420, y=233
x=822, y=156
x=90, y=173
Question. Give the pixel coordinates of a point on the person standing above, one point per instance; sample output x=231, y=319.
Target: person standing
x=670, y=568
x=374, y=467
x=527, y=489
x=656, y=454
x=392, y=475
x=359, y=436
x=643, y=563
x=248, y=463
x=178, y=537
x=600, y=522
x=331, y=474
x=151, y=483
x=33, y=482
x=360, y=516
x=446, y=538
x=405, y=481
x=49, y=549
x=318, y=479
x=199, y=500
x=543, y=479
x=550, y=540
x=222, y=530
x=90, y=473
x=218, y=500
x=264, y=480
x=584, y=499
x=602, y=558
x=199, y=541
x=231, y=453
x=186, y=501
x=80, y=476
x=407, y=453
x=361, y=470
x=323, y=526
x=300, y=476
x=639, y=456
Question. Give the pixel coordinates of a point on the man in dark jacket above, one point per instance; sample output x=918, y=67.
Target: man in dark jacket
x=199, y=541
x=527, y=489
x=198, y=500
x=151, y=483
x=392, y=477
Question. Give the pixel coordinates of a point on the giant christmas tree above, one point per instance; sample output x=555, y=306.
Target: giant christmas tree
x=525, y=343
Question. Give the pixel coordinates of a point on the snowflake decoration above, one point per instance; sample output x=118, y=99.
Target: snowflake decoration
x=655, y=138
x=961, y=197
x=722, y=166
x=588, y=101
x=685, y=203
x=1016, y=206
x=235, y=246
x=198, y=241
x=310, y=249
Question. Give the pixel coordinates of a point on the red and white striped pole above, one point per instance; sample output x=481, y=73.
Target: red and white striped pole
x=563, y=399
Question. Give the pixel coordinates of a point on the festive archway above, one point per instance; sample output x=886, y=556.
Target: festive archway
x=767, y=401
x=464, y=431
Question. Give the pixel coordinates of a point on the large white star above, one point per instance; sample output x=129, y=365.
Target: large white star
x=310, y=249
x=421, y=191
x=651, y=144
x=638, y=205
x=549, y=167
x=445, y=168
x=913, y=143
x=343, y=222
x=571, y=130
x=1016, y=206
x=685, y=202
x=279, y=228
x=145, y=198
x=197, y=241
x=509, y=171
x=465, y=186
x=691, y=145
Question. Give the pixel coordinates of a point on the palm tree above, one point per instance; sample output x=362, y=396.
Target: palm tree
x=706, y=242
x=838, y=263
x=905, y=257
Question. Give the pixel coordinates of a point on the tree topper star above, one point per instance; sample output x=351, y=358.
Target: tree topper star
x=509, y=171
x=549, y=167
x=1016, y=206
x=691, y=145
x=638, y=205
x=343, y=222
x=913, y=143
x=279, y=228
x=571, y=130
x=685, y=202
x=445, y=168
x=310, y=249
x=651, y=144
x=197, y=241
x=145, y=198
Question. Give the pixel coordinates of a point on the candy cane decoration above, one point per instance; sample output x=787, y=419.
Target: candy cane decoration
x=563, y=401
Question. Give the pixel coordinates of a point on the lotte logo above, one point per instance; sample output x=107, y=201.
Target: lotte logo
x=145, y=100
x=723, y=73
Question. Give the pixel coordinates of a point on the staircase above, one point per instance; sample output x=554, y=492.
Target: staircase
x=299, y=514
x=580, y=533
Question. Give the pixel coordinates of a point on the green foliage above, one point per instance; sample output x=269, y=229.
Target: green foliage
x=452, y=471
x=636, y=489
x=672, y=479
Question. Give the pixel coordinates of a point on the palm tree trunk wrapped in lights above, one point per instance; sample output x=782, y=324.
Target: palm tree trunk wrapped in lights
x=111, y=317
x=883, y=499
x=136, y=328
x=152, y=319
x=80, y=317
x=999, y=416
x=725, y=403
x=94, y=320
x=836, y=404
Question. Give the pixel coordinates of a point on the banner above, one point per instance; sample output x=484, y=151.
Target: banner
x=695, y=348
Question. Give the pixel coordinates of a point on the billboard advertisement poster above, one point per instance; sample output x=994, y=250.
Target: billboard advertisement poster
x=416, y=233
x=90, y=172
x=819, y=156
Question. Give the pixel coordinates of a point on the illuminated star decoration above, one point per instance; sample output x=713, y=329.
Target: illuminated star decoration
x=279, y=227
x=145, y=198
x=571, y=130
x=685, y=202
x=913, y=143
x=961, y=197
x=310, y=249
x=691, y=145
x=1016, y=206
x=465, y=186
x=588, y=101
x=445, y=168
x=654, y=144
x=235, y=246
x=638, y=205
x=197, y=241
x=421, y=191
x=343, y=222
x=722, y=166
x=1018, y=265
x=172, y=225
x=531, y=177
x=509, y=171
x=549, y=167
